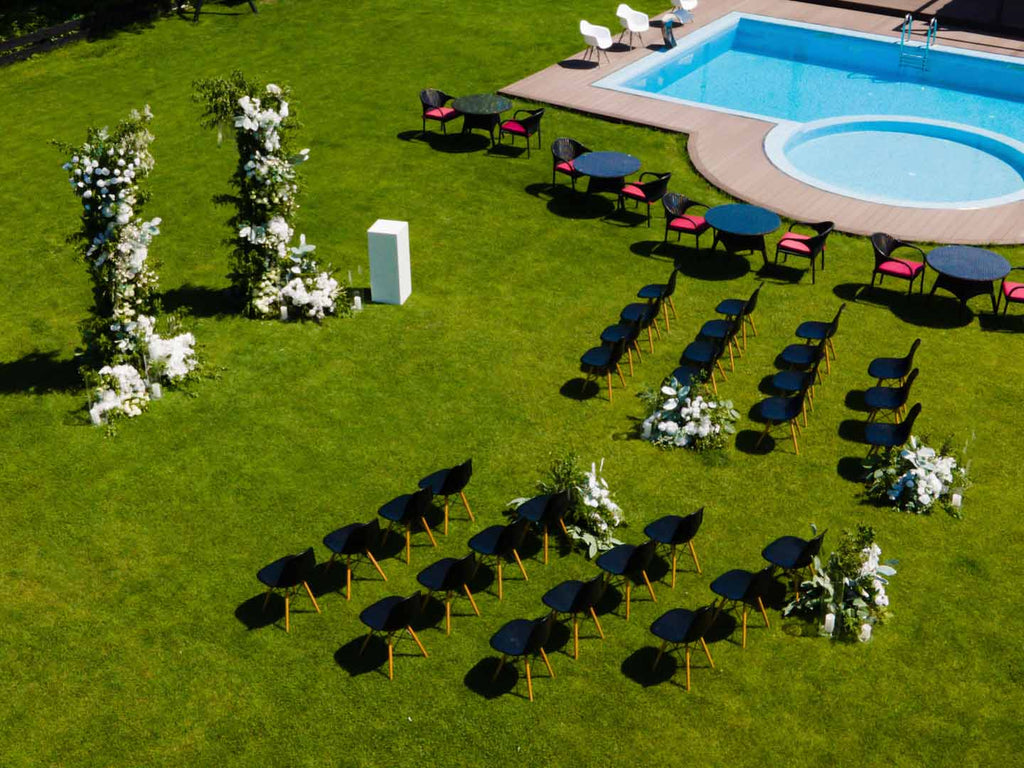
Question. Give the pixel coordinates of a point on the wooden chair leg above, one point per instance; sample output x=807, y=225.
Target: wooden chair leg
x=575, y=636
x=673, y=566
x=408, y=544
x=597, y=623
x=629, y=356
x=501, y=665
x=763, y=435
x=760, y=604
x=445, y=516
x=664, y=309
x=287, y=601
x=465, y=503
x=448, y=616
x=545, y=543
x=376, y=565
x=471, y=600
x=610, y=386
x=520, y=563
x=693, y=552
x=752, y=326
x=430, y=533
x=501, y=593
x=687, y=667
x=744, y=627
x=391, y=660
x=672, y=304
x=348, y=580
x=414, y=637
x=707, y=652
x=310, y=593
x=629, y=590
x=529, y=678
x=267, y=598
x=650, y=588
x=792, y=431
x=547, y=663
x=621, y=378
x=661, y=652
x=365, y=642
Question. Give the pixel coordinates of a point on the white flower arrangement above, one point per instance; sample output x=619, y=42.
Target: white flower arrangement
x=105, y=173
x=686, y=416
x=848, y=595
x=916, y=478
x=279, y=279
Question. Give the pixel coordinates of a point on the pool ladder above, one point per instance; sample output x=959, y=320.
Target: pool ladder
x=915, y=54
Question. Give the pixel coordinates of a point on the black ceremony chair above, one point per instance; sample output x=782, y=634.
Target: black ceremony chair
x=663, y=293
x=643, y=316
x=564, y=152
x=601, y=361
x=807, y=246
x=883, y=368
x=723, y=331
x=887, y=263
x=547, y=510
x=434, y=108
x=645, y=191
x=741, y=309
x=816, y=330
x=287, y=574
x=351, y=541
x=406, y=510
x=628, y=563
x=499, y=542
x=680, y=221
x=523, y=638
x=627, y=334
x=883, y=435
x=792, y=554
x=740, y=586
x=804, y=370
x=449, y=482
x=389, y=617
x=576, y=597
x=704, y=355
x=683, y=627
x=673, y=530
x=783, y=410
x=451, y=576
x=522, y=126
x=889, y=398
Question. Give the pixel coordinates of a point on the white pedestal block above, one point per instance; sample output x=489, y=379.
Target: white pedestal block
x=390, y=273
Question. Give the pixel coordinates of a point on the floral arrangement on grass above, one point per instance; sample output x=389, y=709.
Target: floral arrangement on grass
x=917, y=478
x=847, y=596
x=126, y=358
x=278, y=277
x=688, y=416
x=593, y=515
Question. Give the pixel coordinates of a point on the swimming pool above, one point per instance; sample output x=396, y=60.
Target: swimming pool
x=801, y=75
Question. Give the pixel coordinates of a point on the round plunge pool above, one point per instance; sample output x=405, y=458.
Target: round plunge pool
x=901, y=161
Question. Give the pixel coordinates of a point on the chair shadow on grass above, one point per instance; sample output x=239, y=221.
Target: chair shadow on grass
x=455, y=142
x=567, y=203
x=1002, y=323
x=700, y=264
x=938, y=311
x=577, y=64
x=253, y=616
x=39, y=373
x=781, y=274
x=480, y=678
x=375, y=657
x=579, y=388
x=202, y=301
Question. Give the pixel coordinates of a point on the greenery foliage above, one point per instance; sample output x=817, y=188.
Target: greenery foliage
x=916, y=478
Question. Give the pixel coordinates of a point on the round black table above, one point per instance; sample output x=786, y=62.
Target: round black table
x=742, y=227
x=966, y=271
x=481, y=110
x=607, y=170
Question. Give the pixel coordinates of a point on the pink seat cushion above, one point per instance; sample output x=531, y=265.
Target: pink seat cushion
x=439, y=113
x=512, y=126
x=632, y=190
x=789, y=244
x=688, y=224
x=565, y=167
x=1013, y=291
x=796, y=236
x=905, y=269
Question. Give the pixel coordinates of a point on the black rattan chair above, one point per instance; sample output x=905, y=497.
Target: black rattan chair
x=680, y=220
x=807, y=246
x=523, y=126
x=564, y=152
x=886, y=263
x=646, y=191
x=434, y=108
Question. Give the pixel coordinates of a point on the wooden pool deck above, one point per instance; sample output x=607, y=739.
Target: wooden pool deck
x=728, y=149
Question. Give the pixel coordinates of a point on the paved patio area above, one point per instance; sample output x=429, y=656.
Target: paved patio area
x=728, y=149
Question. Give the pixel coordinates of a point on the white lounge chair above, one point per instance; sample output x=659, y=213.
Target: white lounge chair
x=633, y=22
x=597, y=38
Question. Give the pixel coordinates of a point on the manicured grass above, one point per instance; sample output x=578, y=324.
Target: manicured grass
x=130, y=562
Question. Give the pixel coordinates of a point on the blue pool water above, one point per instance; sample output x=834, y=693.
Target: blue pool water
x=796, y=73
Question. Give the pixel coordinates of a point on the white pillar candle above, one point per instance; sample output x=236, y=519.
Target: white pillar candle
x=156, y=391
x=357, y=302
x=284, y=311
x=94, y=416
x=830, y=623
x=957, y=500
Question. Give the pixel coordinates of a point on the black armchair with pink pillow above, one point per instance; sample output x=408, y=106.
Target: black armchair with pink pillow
x=434, y=108
x=525, y=126
x=646, y=191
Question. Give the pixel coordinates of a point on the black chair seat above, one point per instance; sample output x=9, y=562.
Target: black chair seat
x=673, y=626
x=597, y=357
x=704, y=352
x=882, y=434
x=717, y=329
x=789, y=381
x=336, y=541
x=533, y=509
x=664, y=530
x=486, y=542
x=435, y=482
x=271, y=574
x=637, y=313
x=686, y=375
x=435, y=576
x=563, y=597
x=616, y=333
x=732, y=585
x=513, y=638
x=784, y=551
x=780, y=408
x=800, y=355
x=815, y=330
x=615, y=560
x=888, y=368
x=731, y=307
x=394, y=510
x=885, y=398
x=377, y=615
x=652, y=291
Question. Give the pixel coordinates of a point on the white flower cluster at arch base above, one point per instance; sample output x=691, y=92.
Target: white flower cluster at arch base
x=917, y=478
x=594, y=524
x=292, y=283
x=687, y=417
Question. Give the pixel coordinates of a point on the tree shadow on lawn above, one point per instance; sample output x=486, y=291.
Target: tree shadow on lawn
x=201, y=301
x=698, y=264
x=567, y=203
x=450, y=143
x=39, y=373
x=939, y=311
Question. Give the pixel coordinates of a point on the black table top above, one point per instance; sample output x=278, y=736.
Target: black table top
x=966, y=262
x=742, y=219
x=606, y=165
x=482, y=104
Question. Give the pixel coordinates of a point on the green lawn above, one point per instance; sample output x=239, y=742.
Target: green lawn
x=126, y=559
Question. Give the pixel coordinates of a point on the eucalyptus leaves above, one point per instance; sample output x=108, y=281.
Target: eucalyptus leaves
x=685, y=416
x=918, y=478
x=278, y=277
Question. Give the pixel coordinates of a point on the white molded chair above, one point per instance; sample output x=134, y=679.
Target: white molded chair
x=685, y=5
x=633, y=22
x=597, y=38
